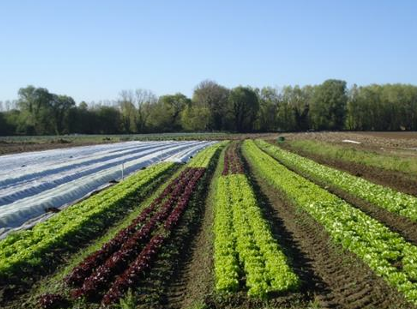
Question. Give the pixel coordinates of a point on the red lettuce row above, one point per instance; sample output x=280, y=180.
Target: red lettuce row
x=85, y=268
x=144, y=261
x=232, y=162
x=98, y=270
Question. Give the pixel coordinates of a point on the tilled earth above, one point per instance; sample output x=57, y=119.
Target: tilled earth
x=392, y=179
x=331, y=277
x=400, y=142
x=336, y=278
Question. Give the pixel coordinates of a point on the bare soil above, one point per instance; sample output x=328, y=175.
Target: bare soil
x=397, y=223
x=392, y=179
x=401, y=143
x=19, y=147
x=339, y=279
x=407, y=135
x=37, y=144
x=194, y=279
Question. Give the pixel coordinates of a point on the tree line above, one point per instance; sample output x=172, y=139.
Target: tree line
x=213, y=107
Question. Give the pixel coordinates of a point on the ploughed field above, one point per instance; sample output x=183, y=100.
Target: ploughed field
x=231, y=224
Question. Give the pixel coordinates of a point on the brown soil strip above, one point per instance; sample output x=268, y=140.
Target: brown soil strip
x=195, y=278
x=19, y=147
x=164, y=285
x=10, y=148
x=396, y=223
x=341, y=279
x=378, y=141
x=182, y=275
x=392, y=135
x=395, y=180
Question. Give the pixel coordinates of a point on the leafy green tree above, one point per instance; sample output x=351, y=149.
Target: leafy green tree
x=208, y=95
x=109, y=120
x=328, y=105
x=166, y=114
x=84, y=120
x=285, y=117
x=244, y=106
x=195, y=118
x=43, y=112
x=34, y=104
x=5, y=127
x=60, y=107
x=269, y=100
x=294, y=108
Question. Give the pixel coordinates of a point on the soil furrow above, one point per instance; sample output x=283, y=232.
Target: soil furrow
x=395, y=180
x=399, y=224
x=343, y=277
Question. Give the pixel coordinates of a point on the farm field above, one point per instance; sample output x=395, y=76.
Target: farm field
x=245, y=223
x=33, y=182
x=386, y=158
x=18, y=144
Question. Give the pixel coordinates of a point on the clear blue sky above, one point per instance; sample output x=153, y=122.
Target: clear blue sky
x=93, y=49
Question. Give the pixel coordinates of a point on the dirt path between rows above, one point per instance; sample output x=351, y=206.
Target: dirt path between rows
x=377, y=141
x=339, y=278
x=194, y=279
x=401, y=225
x=397, y=223
x=395, y=180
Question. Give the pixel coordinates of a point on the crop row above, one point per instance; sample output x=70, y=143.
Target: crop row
x=232, y=162
x=380, y=196
x=204, y=157
x=243, y=237
x=118, y=265
x=104, y=272
x=138, y=229
x=27, y=248
x=132, y=274
x=384, y=251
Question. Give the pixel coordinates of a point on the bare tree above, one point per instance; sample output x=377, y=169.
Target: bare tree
x=145, y=99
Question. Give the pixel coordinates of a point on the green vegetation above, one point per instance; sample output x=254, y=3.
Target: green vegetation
x=328, y=106
x=56, y=282
x=27, y=249
x=57, y=285
x=349, y=154
x=141, y=235
x=243, y=238
x=380, y=196
x=243, y=235
x=205, y=156
x=381, y=249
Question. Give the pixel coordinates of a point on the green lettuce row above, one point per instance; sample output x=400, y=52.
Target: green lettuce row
x=55, y=222
x=244, y=234
x=385, y=252
x=59, y=221
x=279, y=274
x=226, y=265
x=380, y=196
x=28, y=247
x=246, y=247
x=202, y=159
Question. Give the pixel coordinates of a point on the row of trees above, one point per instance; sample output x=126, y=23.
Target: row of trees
x=328, y=106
